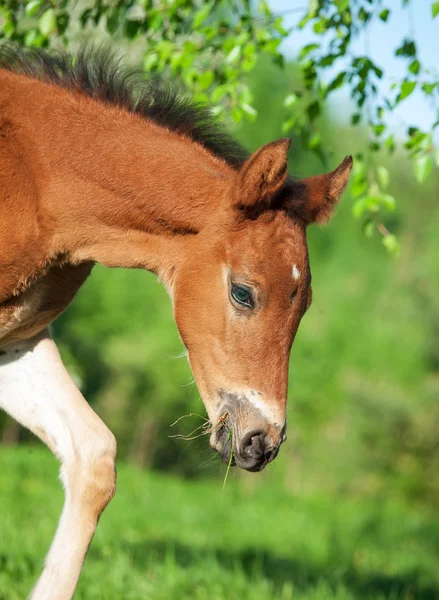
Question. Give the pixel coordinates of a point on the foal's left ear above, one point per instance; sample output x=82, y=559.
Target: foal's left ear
x=322, y=192
x=261, y=176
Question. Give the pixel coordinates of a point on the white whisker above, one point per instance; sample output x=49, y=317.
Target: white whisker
x=177, y=356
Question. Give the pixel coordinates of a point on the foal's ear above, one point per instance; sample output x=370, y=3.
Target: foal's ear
x=322, y=192
x=262, y=175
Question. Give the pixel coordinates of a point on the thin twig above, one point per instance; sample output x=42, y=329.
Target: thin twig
x=383, y=229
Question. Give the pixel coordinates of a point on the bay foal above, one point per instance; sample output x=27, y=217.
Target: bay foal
x=100, y=165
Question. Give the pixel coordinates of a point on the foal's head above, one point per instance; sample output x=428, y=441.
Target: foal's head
x=239, y=296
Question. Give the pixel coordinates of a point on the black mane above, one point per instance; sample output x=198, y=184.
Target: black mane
x=99, y=73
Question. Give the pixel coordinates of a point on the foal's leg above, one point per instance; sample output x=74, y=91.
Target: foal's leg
x=37, y=391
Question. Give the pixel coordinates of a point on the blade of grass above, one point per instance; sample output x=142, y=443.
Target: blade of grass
x=229, y=464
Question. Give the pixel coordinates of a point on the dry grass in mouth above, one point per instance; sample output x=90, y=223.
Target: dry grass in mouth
x=205, y=429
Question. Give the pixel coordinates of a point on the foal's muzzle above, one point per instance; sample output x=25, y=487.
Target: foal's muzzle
x=244, y=435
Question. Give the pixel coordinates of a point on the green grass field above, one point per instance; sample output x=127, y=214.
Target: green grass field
x=166, y=538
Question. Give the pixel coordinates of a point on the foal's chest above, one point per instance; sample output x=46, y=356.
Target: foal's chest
x=25, y=315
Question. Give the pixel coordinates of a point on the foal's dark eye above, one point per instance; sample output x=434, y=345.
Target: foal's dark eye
x=242, y=295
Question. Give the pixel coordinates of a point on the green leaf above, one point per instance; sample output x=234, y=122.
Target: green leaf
x=47, y=22
x=113, y=20
x=234, y=54
x=306, y=19
x=327, y=60
x=359, y=170
x=156, y=22
x=436, y=157
x=363, y=15
x=360, y=207
x=390, y=143
x=320, y=26
x=391, y=244
x=355, y=119
x=278, y=26
x=358, y=187
x=415, y=67
x=383, y=177
x=201, y=15
x=314, y=141
x=265, y=8
x=418, y=140
x=219, y=92
x=313, y=8
x=307, y=49
x=135, y=13
x=131, y=28
x=62, y=21
x=337, y=81
x=249, y=50
x=384, y=14
x=150, y=61
x=422, y=168
x=407, y=48
x=34, y=38
x=290, y=100
x=373, y=203
x=313, y=110
x=189, y=47
x=206, y=79
x=369, y=228
x=289, y=124
x=236, y=114
x=342, y=5
x=435, y=9
x=202, y=98
x=429, y=88
x=272, y=45
x=387, y=201
x=33, y=7
x=346, y=17
x=407, y=88
x=250, y=111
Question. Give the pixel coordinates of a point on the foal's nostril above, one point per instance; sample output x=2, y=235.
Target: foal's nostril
x=253, y=445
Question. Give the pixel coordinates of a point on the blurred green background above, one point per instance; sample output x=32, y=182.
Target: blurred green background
x=348, y=510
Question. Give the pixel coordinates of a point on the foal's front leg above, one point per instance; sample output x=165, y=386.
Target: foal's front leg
x=37, y=391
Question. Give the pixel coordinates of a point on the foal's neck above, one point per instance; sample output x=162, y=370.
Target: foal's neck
x=134, y=190
x=87, y=182
x=114, y=188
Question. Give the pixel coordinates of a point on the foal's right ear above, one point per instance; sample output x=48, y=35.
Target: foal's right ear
x=261, y=176
x=322, y=192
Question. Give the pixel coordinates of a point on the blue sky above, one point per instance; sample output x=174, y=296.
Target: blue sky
x=383, y=38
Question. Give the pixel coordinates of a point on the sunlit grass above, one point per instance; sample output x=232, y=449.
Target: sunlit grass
x=165, y=538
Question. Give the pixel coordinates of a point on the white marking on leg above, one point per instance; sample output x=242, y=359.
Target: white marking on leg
x=296, y=272
x=37, y=391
